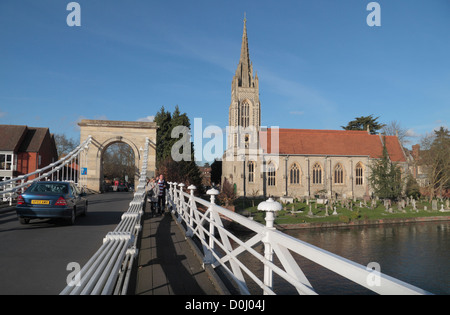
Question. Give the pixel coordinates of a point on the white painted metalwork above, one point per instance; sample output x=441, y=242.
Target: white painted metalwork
x=55, y=171
x=222, y=248
x=109, y=269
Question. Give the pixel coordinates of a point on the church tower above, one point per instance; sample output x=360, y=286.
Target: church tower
x=245, y=108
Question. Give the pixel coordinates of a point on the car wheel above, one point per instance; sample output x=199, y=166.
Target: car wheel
x=24, y=220
x=71, y=220
x=85, y=209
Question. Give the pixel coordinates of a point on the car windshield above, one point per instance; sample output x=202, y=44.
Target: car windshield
x=49, y=188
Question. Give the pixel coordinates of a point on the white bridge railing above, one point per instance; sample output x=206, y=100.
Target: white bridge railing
x=222, y=248
x=63, y=169
x=109, y=269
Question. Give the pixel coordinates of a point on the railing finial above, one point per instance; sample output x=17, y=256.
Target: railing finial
x=213, y=193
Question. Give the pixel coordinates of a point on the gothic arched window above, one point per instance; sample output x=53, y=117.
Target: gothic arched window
x=295, y=174
x=271, y=174
x=359, y=174
x=251, y=172
x=338, y=174
x=245, y=114
x=317, y=174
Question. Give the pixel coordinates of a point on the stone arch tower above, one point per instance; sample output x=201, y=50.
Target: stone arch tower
x=106, y=132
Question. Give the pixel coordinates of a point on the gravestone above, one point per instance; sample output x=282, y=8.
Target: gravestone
x=334, y=211
x=413, y=202
x=434, y=205
x=310, y=210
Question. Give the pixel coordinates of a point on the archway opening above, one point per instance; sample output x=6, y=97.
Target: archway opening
x=119, y=167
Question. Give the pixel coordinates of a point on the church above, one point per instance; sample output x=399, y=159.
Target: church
x=295, y=163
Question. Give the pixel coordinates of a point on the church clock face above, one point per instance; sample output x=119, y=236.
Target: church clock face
x=246, y=140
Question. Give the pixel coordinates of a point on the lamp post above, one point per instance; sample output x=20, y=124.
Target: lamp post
x=270, y=207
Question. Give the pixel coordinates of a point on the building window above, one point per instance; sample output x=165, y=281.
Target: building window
x=339, y=174
x=6, y=162
x=295, y=174
x=317, y=174
x=271, y=174
x=359, y=174
x=251, y=172
x=245, y=114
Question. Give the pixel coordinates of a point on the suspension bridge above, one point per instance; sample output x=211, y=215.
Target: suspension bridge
x=200, y=235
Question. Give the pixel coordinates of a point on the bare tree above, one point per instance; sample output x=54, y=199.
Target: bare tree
x=228, y=194
x=64, y=145
x=435, y=159
x=118, y=162
x=395, y=129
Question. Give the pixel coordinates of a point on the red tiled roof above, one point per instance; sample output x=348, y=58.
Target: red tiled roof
x=21, y=138
x=332, y=142
x=11, y=137
x=33, y=140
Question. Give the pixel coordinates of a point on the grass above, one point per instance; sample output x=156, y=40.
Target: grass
x=298, y=212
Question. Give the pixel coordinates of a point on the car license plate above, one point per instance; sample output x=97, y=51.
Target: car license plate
x=40, y=202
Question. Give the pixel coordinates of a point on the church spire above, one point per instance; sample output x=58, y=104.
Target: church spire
x=245, y=107
x=244, y=72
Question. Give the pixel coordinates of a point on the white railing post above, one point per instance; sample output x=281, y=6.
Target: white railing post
x=170, y=197
x=270, y=207
x=174, y=197
x=181, y=204
x=209, y=258
x=190, y=226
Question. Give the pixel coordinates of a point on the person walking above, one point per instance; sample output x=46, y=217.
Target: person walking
x=152, y=194
x=162, y=185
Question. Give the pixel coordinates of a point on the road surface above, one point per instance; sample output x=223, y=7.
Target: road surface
x=34, y=257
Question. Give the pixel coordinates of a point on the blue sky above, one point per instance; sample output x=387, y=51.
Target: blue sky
x=320, y=65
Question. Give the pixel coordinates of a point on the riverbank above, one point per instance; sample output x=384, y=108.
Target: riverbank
x=301, y=215
x=297, y=226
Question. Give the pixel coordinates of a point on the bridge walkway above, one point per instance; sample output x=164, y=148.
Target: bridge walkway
x=167, y=262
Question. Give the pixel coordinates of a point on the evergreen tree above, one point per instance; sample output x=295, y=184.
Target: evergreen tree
x=216, y=172
x=185, y=171
x=361, y=123
x=386, y=177
x=163, y=138
x=412, y=187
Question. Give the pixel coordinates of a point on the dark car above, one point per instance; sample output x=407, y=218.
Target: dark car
x=122, y=187
x=51, y=200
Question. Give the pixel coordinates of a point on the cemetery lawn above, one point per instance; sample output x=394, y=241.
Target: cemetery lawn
x=298, y=212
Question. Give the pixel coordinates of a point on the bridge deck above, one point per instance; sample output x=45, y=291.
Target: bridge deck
x=167, y=265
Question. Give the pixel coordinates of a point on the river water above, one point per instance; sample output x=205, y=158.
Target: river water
x=416, y=253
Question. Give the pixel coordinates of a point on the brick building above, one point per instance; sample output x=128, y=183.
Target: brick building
x=25, y=149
